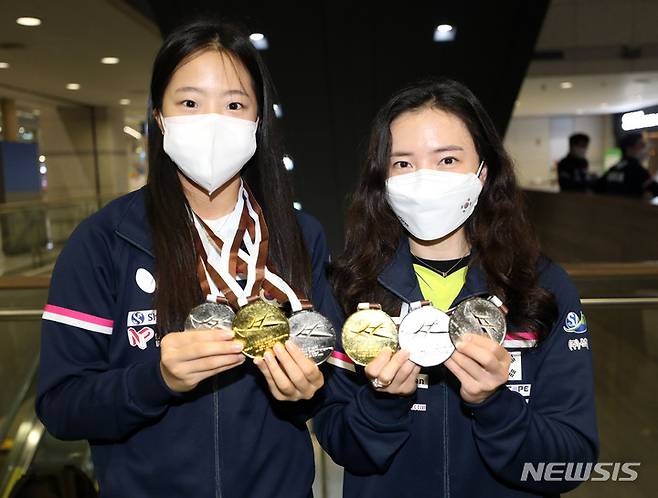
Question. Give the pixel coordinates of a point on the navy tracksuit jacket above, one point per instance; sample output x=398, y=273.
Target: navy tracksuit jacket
x=100, y=379
x=434, y=444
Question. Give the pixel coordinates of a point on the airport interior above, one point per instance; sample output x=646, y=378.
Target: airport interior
x=74, y=97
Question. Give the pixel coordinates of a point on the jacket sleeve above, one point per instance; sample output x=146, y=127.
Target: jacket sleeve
x=80, y=396
x=558, y=424
x=359, y=428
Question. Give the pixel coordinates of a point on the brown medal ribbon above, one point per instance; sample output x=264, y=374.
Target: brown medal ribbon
x=236, y=266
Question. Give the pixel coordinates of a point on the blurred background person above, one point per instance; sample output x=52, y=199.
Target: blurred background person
x=629, y=177
x=572, y=169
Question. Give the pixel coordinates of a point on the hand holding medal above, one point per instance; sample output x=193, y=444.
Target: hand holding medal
x=370, y=339
x=480, y=362
x=428, y=337
x=262, y=326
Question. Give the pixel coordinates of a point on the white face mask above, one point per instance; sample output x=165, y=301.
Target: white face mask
x=430, y=204
x=209, y=149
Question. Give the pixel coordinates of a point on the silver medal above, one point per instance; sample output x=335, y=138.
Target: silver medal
x=424, y=333
x=210, y=316
x=313, y=334
x=477, y=316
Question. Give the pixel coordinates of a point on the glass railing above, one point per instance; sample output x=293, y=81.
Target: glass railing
x=33, y=232
x=622, y=312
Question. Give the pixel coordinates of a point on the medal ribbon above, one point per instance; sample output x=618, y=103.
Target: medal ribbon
x=253, y=230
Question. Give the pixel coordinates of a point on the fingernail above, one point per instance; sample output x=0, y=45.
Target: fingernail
x=278, y=348
x=267, y=356
x=288, y=343
x=237, y=346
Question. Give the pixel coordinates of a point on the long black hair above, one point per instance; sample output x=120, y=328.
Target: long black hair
x=177, y=287
x=499, y=231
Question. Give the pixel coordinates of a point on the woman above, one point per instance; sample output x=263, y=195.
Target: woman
x=438, y=216
x=186, y=414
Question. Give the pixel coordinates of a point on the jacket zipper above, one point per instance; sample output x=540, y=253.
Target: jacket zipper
x=446, y=440
x=444, y=388
x=215, y=403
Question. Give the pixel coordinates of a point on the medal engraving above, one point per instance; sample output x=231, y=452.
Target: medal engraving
x=210, y=316
x=260, y=326
x=424, y=333
x=313, y=334
x=477, y=316
x=366, y=332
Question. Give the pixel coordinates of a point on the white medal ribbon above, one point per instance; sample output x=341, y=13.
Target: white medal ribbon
x=220, y=259
x=274, y=279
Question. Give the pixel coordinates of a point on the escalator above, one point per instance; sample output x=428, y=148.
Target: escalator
x=33, y=464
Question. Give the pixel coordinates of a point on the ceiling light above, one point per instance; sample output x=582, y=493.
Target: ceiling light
x=445, y=33
x=110, y=60
x=42, y=159
x=132, y=132
x=43, y=169
x=29, y=21
x=4, y=65
x=297, y=205
x=566, y=85
x=259, y=40
x=124, y=102
x=73, y=86
x=638, y=120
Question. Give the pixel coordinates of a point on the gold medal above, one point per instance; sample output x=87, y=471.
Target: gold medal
x=260, y=326
x=367, y=332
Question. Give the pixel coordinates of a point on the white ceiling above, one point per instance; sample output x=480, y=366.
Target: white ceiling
x=68, y=46
x=590, y=94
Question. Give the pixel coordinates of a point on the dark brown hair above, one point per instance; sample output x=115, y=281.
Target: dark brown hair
x=177, y=290
x=499, y=232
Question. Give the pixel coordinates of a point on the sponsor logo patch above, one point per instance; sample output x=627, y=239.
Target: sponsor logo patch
x=522, y=389
x=423, y=381
x=419, y=407
x=143, y=317
x=575, y=323
x=578, y=344
x=139, y=339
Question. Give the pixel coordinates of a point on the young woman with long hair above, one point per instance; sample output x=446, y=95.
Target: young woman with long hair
x=438, y=216
x=182, y=413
